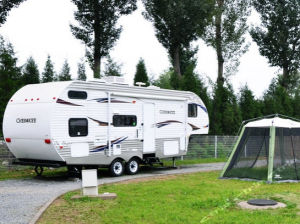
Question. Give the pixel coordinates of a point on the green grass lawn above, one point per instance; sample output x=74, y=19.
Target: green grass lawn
x=187, y=198
x=28, y=172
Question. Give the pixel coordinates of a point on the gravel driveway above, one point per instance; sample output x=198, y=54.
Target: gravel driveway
x=21, y=200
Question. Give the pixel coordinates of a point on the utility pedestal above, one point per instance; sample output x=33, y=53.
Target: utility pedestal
x=89, y=182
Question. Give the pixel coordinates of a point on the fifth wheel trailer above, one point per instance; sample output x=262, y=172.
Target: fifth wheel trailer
x=101, y=123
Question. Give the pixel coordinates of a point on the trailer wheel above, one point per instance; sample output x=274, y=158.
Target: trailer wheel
x=116, y=168
x=132, y=167
x=39, y=170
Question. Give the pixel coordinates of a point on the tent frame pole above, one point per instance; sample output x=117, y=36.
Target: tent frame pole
x=271, y=153
x=233, y=152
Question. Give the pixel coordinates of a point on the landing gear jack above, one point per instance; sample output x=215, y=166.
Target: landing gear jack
x=39, y=170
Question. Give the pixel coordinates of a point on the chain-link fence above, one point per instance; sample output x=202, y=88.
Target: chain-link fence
x=6, y=157
x=200, y=146
x=209, y=146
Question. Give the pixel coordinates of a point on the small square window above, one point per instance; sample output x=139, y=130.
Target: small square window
x=192, y=110
x=78, y=127
x=124, y=120
x=77, y=95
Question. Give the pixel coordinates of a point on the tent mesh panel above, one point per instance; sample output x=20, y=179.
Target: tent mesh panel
x=251, y=156
x=250, y=159
x=287, y=154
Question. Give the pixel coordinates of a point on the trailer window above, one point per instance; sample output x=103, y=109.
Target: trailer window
x=78, y=95
x=78, y=127
x=192, y=110
x=124, y=120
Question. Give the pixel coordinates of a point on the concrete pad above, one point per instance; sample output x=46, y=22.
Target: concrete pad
x=245, y=205
x=108, y=196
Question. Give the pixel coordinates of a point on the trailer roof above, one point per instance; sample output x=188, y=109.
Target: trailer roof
x=121, y=89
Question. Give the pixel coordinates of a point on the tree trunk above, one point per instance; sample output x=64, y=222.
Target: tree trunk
x=97, y=45
x=176, y=62
x=219, y=49
x=285, y=77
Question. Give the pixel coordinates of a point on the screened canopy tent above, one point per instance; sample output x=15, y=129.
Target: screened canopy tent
x=267, y=149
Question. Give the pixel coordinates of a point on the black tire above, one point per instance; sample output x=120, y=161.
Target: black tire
x=74, y=171
x=116, y=168
x=132, y=166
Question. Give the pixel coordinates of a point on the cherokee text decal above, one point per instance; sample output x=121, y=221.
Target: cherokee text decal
x=26, y=120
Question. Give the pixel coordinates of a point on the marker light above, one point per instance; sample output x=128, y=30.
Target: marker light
x=47, y=141
x=8, y=140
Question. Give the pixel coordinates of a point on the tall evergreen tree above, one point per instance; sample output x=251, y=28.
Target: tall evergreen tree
x=225, y=118
x=249, y=106
x=48, y=73
x=5, y=7
x=112, y=68
x=141, y=73
x=278, y=38
x=64, y=74
x=296, y=104
x=277, y=99
x=176, y=24
x=97, y=26
x=192, y=82
x=81, y=71
x=226, y=34
x=31, y=74
x=10, y=76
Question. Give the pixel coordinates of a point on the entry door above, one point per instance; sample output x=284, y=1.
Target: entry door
x=149, y=128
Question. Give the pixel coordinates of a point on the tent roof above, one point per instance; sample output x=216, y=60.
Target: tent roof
x=276, y=122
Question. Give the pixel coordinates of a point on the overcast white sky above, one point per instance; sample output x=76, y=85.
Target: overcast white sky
x=41, y=27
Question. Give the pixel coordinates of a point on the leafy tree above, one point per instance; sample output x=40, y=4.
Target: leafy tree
x=164, y=80
x=249, y=106
x=31, y=72
x=65, y=72
x=10, y=76
x=176, y=24
x=226, y=34
x=112, y=68
x=49, y=73
x=141, y=73
x=278, y=38
x=81, y=71
x=225, y=118
x=97, y=26
x=5, y=7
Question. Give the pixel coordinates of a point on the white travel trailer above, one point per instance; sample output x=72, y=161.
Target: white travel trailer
x=101, y=123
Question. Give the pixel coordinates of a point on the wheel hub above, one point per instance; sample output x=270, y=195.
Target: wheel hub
x=118, y=168
x=133, y=166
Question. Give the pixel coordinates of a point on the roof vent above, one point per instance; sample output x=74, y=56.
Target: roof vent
x=140, y=84
x=114, y=80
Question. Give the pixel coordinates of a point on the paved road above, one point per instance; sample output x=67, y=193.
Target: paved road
x=21, y=200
